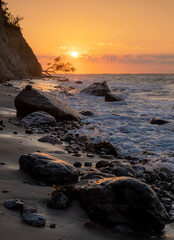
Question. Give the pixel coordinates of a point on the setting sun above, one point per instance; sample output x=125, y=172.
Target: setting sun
x=74, y=54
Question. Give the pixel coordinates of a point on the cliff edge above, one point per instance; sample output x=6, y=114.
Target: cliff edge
x=17, y=60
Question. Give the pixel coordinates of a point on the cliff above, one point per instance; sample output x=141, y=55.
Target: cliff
x=17, y=60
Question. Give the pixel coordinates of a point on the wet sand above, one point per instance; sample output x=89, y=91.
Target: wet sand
x=69, y=222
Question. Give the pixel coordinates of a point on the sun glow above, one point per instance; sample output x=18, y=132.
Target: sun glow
x=74, y=54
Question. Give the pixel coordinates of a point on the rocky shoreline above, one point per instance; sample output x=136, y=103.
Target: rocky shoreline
x=102, y=169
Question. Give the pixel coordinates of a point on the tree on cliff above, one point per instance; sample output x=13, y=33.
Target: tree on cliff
x=58, y=65
x=8, y=17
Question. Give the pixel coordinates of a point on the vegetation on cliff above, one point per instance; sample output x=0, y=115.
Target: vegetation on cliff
x=8, y=17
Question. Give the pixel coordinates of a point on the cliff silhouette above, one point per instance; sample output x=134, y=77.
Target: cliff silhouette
x=17, y=60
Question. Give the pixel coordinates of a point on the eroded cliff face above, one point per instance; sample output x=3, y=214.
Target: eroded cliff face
x=17, y=60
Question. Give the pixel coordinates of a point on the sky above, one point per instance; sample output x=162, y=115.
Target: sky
x=101, y=36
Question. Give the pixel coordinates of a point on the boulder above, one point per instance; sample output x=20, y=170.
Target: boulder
x=123, y=200
x=97, y=89
x=48, y=169
x=109, y=97
x=38, y=119
x=157, y=121
x=31, y=100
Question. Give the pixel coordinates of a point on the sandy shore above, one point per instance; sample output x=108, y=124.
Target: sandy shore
x=69, y=222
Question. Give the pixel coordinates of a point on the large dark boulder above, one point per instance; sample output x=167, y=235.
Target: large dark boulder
x=48, y=169
x=97, y=89
x=31, y=100
x=123, y=200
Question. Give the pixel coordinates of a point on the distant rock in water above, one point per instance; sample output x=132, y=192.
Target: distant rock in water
x=109, y=97
x=31, y=100
x=17, y=59
x=38, y=119
x=97, y=89
x=48, y=169
x=123, y=200
x=157, y=121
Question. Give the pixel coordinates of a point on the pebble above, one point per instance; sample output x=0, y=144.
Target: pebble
x=88, y=164
x=29, y=131
x=15, y=204
x=52, y=225
x=77, y=164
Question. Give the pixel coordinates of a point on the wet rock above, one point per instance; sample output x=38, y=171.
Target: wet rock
x=163, y=176
x=78, y=82
x=50, y=139
x=109, y=97
x=102, y=164
x=88, y=164
x=29, y=131
x=83, y=139
x=97, y=89
x=122, y=168
x=125, y=201
x=90, y=155
x=58, y=201
x=110, y=157
x=48, y=169
x=14, y=204
x=95, y=175
x=52, y=225
x=76, y=155
x=31, y=217
x=39, y=118
x=33, y=100
x=157, y=121
x=77, y=164
x=87, y=113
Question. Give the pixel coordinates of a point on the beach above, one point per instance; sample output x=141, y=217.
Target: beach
x=70, y=223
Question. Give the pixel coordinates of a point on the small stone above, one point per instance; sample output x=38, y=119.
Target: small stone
x=58, y=201
x=102, y=163
x=15, y=132
x=31, y=217
x=77, y=164
x=76, y=155
x=28, y=87
x=107, y=157
x=88, y=164
x=1, y=129
x=29, y=131
x=5, y=191
x=90, y=155
x=52, y=225
x=14, y=204
x=1, y=163
x=157, y=121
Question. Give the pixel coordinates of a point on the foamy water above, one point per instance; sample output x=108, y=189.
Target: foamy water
x=126, y=124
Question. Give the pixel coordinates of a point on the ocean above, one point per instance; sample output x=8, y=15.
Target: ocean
x=126, y=123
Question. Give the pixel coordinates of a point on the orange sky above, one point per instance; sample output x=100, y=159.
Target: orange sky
x=111, y=36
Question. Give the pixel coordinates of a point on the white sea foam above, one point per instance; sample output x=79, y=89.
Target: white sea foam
x=126, y=124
